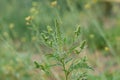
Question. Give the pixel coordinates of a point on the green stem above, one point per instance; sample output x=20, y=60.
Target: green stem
x=64, y=69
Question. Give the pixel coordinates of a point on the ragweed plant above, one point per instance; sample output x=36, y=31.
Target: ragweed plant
x=73, y=66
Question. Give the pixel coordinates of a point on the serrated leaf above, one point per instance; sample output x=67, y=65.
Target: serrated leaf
x=80, y=65
x=55, y=56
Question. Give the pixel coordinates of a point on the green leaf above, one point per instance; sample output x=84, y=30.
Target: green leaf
x=83, y=44
x=36, y=64
x=77, y=32
x=58, y=32
x=44, y=68
x=79, y=65
x=77, y=52
x=55, y=56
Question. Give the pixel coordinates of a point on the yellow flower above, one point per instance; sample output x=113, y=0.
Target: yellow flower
x=54, y=3
x=87, y=6
x=11, y=26
x=106, y=49
x=29, y=18
x=27, y=23
x=34, y=10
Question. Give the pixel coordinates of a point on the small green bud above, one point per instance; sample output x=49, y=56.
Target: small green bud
x=44, y=37
x=49, y=29
x=36, y=64
x=83, y=44
x=77, y=52
x=77, y=32
x=50, y=43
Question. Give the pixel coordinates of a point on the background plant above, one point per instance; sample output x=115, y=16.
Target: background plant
x=99, y=19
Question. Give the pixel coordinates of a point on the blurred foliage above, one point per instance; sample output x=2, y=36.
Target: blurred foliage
x=99, y=19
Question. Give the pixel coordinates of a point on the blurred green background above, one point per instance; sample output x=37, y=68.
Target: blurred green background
x=20, y=46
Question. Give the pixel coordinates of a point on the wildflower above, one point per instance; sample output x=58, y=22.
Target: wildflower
x=11, y=26
x=29, y=18
x=54, y=3
x=34, y=10
x=27, y=23
x=106, y=49
x=87, y=6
